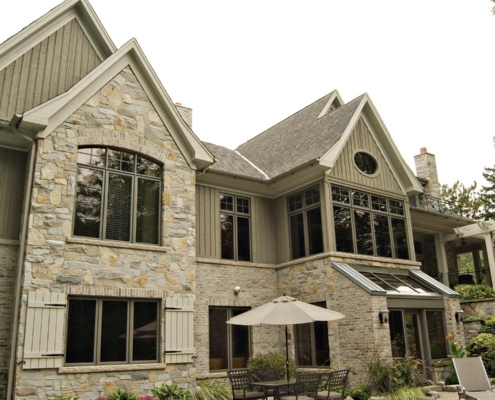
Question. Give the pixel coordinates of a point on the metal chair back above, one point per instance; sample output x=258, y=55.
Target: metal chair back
x=241, y=381
x=307, y=384
x=335, y=385
x=266, y=374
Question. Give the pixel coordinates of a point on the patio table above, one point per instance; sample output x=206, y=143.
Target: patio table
x=275, y=386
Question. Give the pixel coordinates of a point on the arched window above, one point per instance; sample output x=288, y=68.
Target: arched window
x=118, y=196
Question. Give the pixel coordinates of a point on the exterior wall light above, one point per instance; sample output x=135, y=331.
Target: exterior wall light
x=458, y=315
x=237, y=289
x=383, y=316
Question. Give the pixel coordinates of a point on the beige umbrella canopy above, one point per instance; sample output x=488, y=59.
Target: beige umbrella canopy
x=285, y=310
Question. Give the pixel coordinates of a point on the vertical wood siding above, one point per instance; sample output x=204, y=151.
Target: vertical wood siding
x=12, y=179
x=361, y=139
x=47, y=70
x=263, y=225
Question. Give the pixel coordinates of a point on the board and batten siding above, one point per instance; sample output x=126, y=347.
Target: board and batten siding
x=12, y=181
x=50, y=68
x=361, y=139
x=263, y=226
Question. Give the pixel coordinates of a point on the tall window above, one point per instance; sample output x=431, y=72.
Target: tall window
x=229, y=344
x=306, y=235
x=234, y=225
x=369, y=224
x=118, y=196
x=312, y=349
x=111, y=331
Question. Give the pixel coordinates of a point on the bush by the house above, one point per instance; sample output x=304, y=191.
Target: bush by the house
x=273, y=359
x=171, y=392
x=475, y=292
x=483, y=345
x=211, y=389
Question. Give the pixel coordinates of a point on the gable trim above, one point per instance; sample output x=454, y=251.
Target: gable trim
x=52, y=21
x=45, y=118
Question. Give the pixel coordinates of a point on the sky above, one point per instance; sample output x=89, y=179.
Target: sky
x=242, y=66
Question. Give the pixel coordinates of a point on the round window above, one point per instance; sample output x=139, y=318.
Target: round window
x=365, y=162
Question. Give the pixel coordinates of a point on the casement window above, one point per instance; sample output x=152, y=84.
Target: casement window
x=312, y=348
x=118, y=196
x=369, y=224
x=229, y=344
x=306, y=236
x=235, y=227
x=111, y=331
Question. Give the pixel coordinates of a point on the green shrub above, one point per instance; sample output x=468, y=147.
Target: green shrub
x=120, y=394
x=483, y=345
x=359, y=393
x=273, y=359
x=407, y=393
x=389, y=376
x=171, y=392
x=210, y=389
x=475, y=292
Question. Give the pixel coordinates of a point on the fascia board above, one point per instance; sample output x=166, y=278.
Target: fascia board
x=43, y=27
x=335, y=96
x=330, y=157
x=49, y=115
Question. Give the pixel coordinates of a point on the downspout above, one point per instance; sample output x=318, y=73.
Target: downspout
x=20, y=256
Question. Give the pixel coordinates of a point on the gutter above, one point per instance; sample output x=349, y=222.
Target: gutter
x=20, y=255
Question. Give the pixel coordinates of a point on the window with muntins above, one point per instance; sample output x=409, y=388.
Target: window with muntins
x=229, y=344
x=111, y=331
x=118, y=196
x=369, y=224
x=306, y=235
x=312, y=348
x=235, y=227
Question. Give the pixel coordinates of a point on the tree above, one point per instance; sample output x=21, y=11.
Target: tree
x=464, y=200
x=488, y=194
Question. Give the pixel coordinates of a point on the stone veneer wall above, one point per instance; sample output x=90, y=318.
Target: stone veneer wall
x=215, y=282
x=8, y=263
x=118, y=115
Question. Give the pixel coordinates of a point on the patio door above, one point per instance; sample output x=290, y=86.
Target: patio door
x=418, y=333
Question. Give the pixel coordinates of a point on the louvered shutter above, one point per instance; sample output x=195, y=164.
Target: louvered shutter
x=179, y=333
x=43, y=342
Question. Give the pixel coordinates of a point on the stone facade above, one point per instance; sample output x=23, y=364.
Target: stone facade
x=119, y=115
x=8, y=263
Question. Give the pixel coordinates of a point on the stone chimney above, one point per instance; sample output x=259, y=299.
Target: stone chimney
x=186, y=113
x=426, y=168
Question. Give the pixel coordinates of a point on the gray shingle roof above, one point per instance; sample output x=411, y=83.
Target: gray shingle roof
x=298, y=139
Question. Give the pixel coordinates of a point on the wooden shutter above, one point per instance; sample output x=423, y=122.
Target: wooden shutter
x=179, y=333
x=43, y=341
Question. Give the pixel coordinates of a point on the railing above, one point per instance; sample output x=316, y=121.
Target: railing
x=435, y=204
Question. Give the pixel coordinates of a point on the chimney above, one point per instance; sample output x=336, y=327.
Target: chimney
x=185, y=112
x=426, y=168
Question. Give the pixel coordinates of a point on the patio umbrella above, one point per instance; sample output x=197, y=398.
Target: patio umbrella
x=285, y=310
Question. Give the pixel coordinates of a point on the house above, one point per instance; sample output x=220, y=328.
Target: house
x=127, y=242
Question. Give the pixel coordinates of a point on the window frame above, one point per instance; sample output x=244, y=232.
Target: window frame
x=102, y=167
x=300, y=208
x=97, y=331
x=374, y=206
x=229, y=328
x=236, y=214
x=314, y=328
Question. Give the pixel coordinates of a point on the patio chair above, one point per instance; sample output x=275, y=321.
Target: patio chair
x=242, y=385
x=473, y=380
x=334, y=386
x=306, y=387
x=270, y=374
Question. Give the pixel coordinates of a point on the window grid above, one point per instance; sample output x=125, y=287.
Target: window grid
x=235, y=226
x=118, y=196
x=306, y=232
x=369, y=224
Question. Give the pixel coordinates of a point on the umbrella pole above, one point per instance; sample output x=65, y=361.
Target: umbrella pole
x=286, y=354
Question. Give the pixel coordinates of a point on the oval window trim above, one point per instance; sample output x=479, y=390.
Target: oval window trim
x=365, y=163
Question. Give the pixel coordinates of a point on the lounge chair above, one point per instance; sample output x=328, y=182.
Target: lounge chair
x=473, y=380
x=334, y=386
